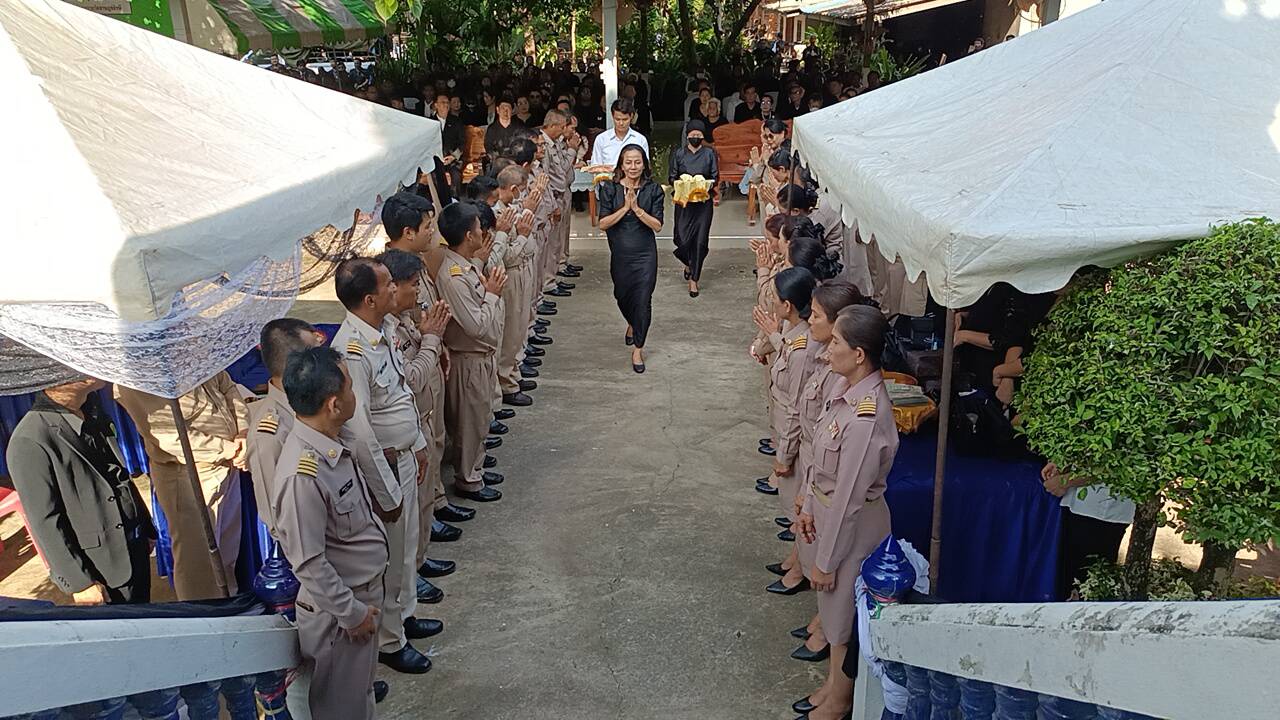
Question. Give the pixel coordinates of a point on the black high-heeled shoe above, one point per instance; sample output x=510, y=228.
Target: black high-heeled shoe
x=803, y=706
x=801, y=633
x=638, y=368
x=776, y=569
x=807, y=655
x=629, y=340
x=779, y=588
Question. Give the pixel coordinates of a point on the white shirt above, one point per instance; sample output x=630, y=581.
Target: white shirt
x=1099, y=504
x=608, y=147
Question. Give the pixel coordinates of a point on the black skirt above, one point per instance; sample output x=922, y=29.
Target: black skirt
x=693, y=236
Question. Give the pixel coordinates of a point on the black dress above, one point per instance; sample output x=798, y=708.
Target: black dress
x=633, y=254
x=692, y=232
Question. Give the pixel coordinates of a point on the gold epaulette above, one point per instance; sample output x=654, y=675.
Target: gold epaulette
x=455, y=270
x=800, y=343
x=866, y=407
x=268, y=425
x=354, y=348
x=307, y=465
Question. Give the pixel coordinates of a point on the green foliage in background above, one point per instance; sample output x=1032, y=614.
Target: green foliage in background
x=892, y=69
x=1170, y=581
x=1160, y=378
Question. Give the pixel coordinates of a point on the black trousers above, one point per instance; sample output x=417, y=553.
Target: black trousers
x=1085, y=540
x=138, y=589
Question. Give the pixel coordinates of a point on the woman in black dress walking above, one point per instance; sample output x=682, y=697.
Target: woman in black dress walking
x=693, y=221
x=631, y=215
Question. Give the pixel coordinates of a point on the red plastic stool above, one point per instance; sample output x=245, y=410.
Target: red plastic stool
x=10, y=503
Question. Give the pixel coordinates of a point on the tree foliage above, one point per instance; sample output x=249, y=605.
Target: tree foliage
x=1160, y=378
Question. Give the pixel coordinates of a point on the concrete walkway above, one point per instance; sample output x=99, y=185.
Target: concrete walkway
x=622, y=574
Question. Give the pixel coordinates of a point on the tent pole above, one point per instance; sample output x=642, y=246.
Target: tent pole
x=940, y=458
x=189, y=461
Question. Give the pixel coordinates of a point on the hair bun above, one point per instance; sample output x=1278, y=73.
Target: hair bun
x=827, y=267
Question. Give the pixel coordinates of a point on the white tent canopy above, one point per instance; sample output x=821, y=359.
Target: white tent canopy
x=157, y=194
x=1101, y=137
x=143, y=164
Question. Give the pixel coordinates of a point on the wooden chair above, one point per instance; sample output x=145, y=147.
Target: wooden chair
x=733, y=150
x=473, y=155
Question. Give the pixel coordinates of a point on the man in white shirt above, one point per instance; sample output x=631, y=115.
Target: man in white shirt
x=608, y=145
x=1093, y=526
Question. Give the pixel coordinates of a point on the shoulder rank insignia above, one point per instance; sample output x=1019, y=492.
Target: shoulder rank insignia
x=866, y=407
x=307, y=465
x=800, y=343
x=268, y=425
x=455, y=271
x=354, y=348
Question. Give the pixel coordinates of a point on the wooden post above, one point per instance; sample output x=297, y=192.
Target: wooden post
x=206, y=523
x=940, y=458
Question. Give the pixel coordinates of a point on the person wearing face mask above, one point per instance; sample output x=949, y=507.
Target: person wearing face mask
x=693, y=221
x=844, y=514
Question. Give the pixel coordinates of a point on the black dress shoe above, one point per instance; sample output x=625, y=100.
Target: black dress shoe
x=766, y=488
x=444, y=532
x=455, y=513
x=693, y=293
x=768, y=450
x=575, y=268
x=436, y=568
x=518, y=399
x=777, y=588
x=504, y=414
x=484, y=494
x=406, y=660
x=776, y=569
x=490, y=462
x=561, y=285
x=766, y=442
x=567, y=273
x=492, y=442
x=803, y=706
x=527, y=385
x=540, y=340
x=801, y=633
x=493, y=478
x=549, y=303
x=532, y=362
x=637, y=368
x=534, y=352
x=558, y=291
x=537, y=330
x=541, y=322
x=807, y=655
x=782, y=522
x=422, y=628
x=380, y=690
x=544, y=310
x=528, y=372
x=629, y=340
x=787, y=536
x=497, y=428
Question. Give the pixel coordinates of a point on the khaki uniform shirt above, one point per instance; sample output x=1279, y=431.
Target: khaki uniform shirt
x=326, y=524
x=477, y=313
x=422, y=369
x=516, y=250
x=270, y=422
x=215, y=413
x=386, y=416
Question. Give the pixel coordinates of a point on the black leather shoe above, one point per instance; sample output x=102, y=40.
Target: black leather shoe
x=629, y=340
x=380, y=690
x=567, y=273
x=455, y=513
x=777, y=588
x=766, y=488
x=541, y=322
x=436, y=568
x=544, y=310
x=528, y=372
x=776, y=569
x=490, y=462
x=532, y=361
x=497, y=428
x=504, y=414
x=558, y=291
x=540, y=340
x=444, y=532
x=575, y=268
x=807, y=655
x=493, y=478
x=768, y=450
x=560, y=285
x=549, y=303
x=518, y=399
x=406, y=660
x=484, y=494
x=801, y=633
x=534, y=352
x=637, y=368
x=422, y=628
x=527, y=385
x=540, y=331
x=803, y=706
x=787, y=536
x=782, y=522
x=492, y=442
x=766, y=441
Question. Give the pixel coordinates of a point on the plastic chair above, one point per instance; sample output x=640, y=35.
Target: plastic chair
x=10, y=503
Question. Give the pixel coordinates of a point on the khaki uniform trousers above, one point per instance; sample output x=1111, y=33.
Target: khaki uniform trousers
x=515, y=329
x=192, y=571
x=431, y=495
x=566, y=215
x=401, y=581
x=342, y=671
x=468, y=410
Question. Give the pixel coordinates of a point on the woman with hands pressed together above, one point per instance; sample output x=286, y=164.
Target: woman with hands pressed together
x=844, y=514
x=631, y=207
